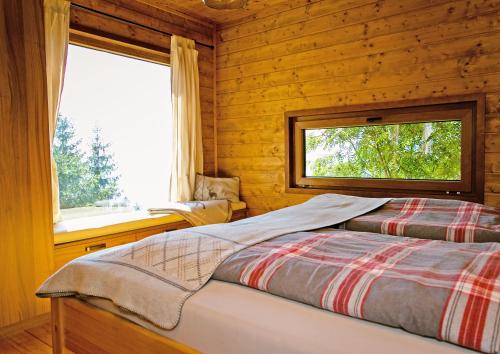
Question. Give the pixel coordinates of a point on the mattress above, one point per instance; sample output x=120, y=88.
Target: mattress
x=228, y=318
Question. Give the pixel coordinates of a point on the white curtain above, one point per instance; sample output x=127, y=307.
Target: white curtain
x=56, y=16
x=187, y=148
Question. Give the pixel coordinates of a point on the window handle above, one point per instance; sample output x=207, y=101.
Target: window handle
x=373, y=119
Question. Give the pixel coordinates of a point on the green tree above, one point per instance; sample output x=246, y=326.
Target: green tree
x=103, y=182
x=71, y=167
x=407, y=151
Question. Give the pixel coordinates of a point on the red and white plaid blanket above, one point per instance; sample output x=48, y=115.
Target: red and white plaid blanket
x=438, y=219
x=446, y=290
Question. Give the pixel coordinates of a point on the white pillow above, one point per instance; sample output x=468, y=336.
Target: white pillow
x=213, y=188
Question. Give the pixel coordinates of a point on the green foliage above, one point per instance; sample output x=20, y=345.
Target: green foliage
x=82, y=180
x=71, y=168
x=103, y=184
x=404, y=151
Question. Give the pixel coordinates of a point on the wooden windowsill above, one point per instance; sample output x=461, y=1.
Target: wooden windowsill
x=85, y=228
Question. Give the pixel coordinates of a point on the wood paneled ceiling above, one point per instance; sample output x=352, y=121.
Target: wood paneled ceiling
x=196, y=9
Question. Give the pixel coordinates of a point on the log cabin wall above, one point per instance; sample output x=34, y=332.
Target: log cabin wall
x=146, y=16
x=330, y=53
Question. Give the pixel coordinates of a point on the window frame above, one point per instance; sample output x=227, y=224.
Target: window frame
x=92, y=37
x=117, y=47
x=468, y=109
x=95, y=30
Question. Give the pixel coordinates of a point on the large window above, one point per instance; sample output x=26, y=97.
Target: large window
x=419, y=149
x=112, y=146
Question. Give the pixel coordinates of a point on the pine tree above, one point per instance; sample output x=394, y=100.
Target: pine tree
x=71, y=168
x=103, y=183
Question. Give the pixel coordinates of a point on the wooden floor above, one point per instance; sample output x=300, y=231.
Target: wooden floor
x=34, y=340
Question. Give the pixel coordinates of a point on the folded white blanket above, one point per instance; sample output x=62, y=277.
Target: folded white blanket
x=154, y=277
x=199, y=213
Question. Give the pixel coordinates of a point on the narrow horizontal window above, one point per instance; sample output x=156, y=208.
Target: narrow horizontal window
x=112, y=146
x=427, y=148
x=419, y=151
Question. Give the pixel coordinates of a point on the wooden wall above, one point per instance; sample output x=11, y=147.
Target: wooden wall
x=329, y=53
x=164, y=22
x=26, y=239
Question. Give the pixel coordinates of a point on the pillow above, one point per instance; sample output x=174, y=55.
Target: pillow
x=213, y=188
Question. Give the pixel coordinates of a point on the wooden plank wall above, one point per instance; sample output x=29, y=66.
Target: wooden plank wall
x=26, y=237
x=145, y=15
x=329, y=53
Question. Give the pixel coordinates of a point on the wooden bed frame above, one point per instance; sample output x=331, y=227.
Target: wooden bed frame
x=84, y=328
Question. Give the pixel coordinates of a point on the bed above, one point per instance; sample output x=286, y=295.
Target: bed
x=289, y=327
x=230, y=314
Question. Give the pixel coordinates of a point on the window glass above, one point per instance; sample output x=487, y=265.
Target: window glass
x=112, y=146
x=417, y=151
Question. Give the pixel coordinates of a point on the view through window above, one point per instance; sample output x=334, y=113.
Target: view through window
x=112, y=146
x=418, y=151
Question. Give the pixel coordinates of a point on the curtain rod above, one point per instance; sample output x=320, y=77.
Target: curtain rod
x=85, y=8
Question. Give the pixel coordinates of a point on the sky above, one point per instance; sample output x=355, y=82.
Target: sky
x=129, y=100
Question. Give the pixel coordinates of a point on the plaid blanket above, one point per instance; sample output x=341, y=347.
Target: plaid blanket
x=438, y=219
x=155, y=276
x=446, y=290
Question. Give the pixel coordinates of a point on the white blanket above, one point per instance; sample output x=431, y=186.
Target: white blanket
x=154, y=277
x=199, y=213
